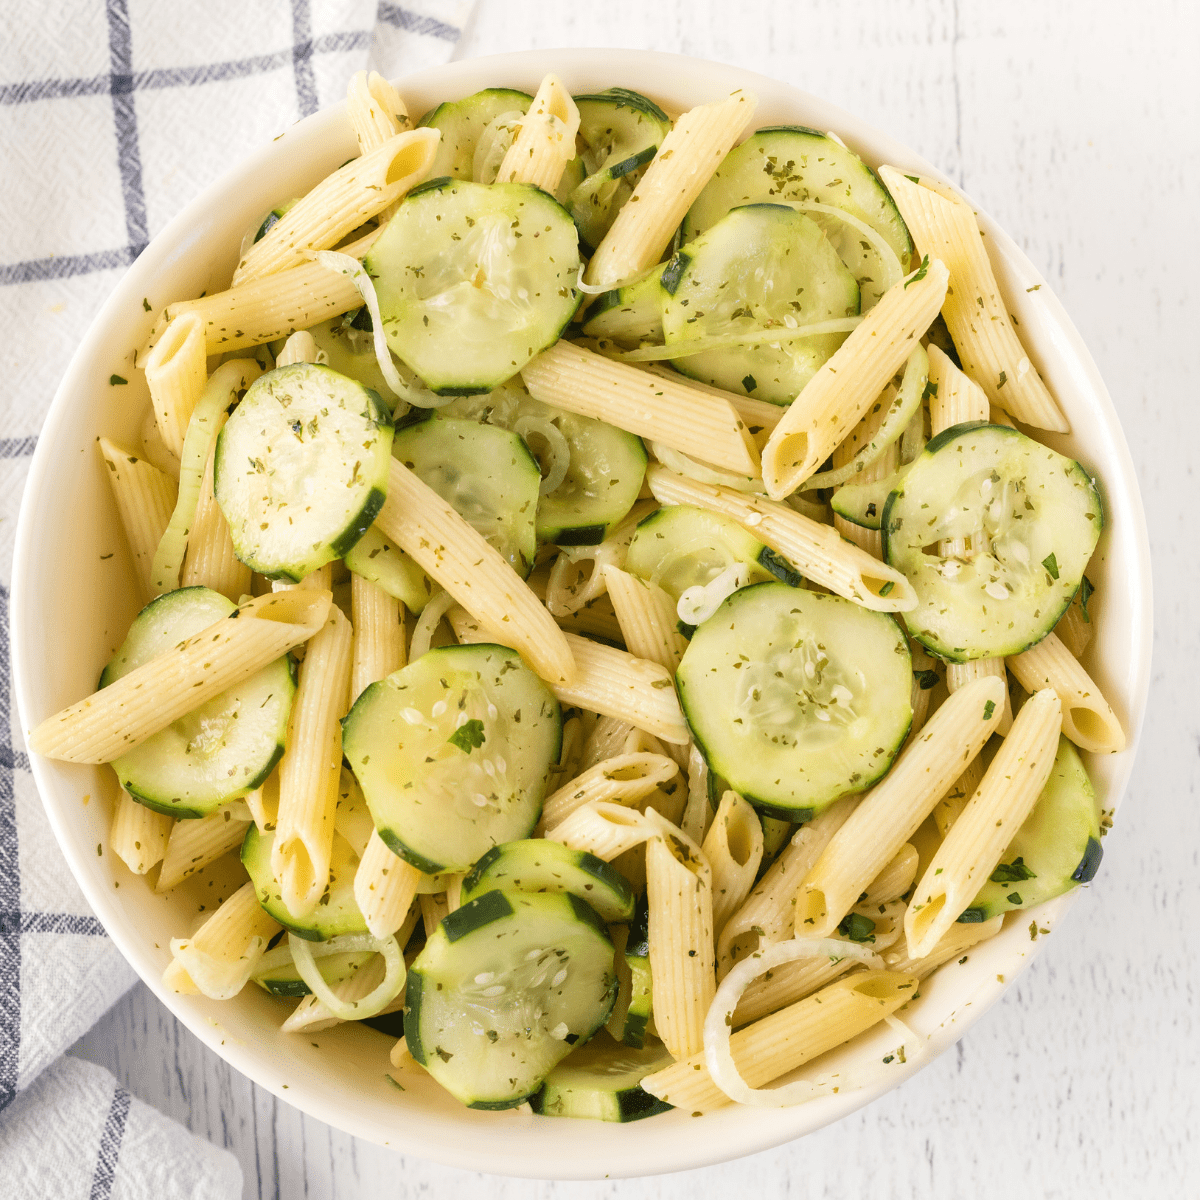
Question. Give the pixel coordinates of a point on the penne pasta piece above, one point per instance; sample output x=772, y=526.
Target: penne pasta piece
x=760, y=416
x=176, y=372
x=301, y=347
x=975, y=312
x=679, y=899
x=768, y=914
x=892, y=811
x=893, y=881
x=958, y=675
x=270, y=308
x=596, y=619
x=845, y=386
x=211, y=561
x=378, y=621
x=649, y=623
x=194, y=844
x=545, y=140
x=385, y=887
x=870, y=540
x=135, y=707
x=972, y=848
x=815, y=550
x=218, y=958
x=310, y=769
x=625, y=779
x=952, y=944
x=606, y=740
x=139, y=834
x=604, y=829
x=925, y=679
x=685, y=162
x=734, y=849
x=145, y=499
x=453, y=554
x=375, y=110
x=341, y=202
x=948, y=808
x=263, y=804
x=787, y=1039
x=434, y=909
x=1075, y=628
x=785, y=984
x=664, y=410
x=1087, y=718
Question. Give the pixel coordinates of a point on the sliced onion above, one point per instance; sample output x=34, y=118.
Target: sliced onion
x=904, y=408
x=759, y=337
x=718, y=1024
x=436, y=607
x=700, y=601
x=304, y=955
x=347, y=264
x=589, y=289
x=682, y=464
x=557, y=452
x=217, y=978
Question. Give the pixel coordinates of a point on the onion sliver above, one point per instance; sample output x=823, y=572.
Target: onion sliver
x=304, y=955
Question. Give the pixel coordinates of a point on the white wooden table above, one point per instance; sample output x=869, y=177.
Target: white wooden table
x=1072, y=124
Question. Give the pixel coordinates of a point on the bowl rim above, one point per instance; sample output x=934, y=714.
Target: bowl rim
x=755, y=1130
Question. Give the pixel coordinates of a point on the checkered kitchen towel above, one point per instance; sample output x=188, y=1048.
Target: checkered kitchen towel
x=93, y=96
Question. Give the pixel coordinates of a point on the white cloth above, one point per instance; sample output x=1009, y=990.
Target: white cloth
x=113, y=115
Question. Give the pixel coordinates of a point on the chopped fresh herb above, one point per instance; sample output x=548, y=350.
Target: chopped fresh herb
x=914, y=179
x=1085, y=594
x=1036, y=287
x=468, y=737
x=1051, y=565
x=887, y=587
x=920, y=272
x=1013, y=872
x=1014, y=897
x=116, y=381
x=1003, y=380
x=930, y=390
x=749, y=383
x=145, y=304
x=927, y=679
x=988, y=709
x=857, y=928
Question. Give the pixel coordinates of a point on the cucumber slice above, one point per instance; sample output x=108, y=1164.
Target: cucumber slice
x=539, y=865
x=375, y=558
x=791, y=162
x=223, y=749
x=453, y=753
x=797, y=698
x=759, y=268
x=338, y=911
x=473, y=280
x=635, y=999
x=621, y=132
x=301, y=469
x=461, y=122
x=678, y=547
x=278, y=974
x=1056, y=849
x=602, y=1081
x=1038, y=516
x=605, y=467
x=630, y=315
x=485, y=474
x=506, y=985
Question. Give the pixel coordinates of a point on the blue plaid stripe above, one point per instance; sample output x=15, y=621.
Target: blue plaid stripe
x=110, y=1146
x=10, y=889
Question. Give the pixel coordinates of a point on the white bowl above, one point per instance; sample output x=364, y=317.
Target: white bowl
x=72, y=603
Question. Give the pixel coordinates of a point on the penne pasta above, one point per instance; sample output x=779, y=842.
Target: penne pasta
x=453, y=554
x=957, y=939
x=892, y=811
x=378, y=621
x=145, y=499
x=815, y=550
x=972, y=848
x=1087, y=718
x=846, y=385
x=385, y=887
x=196, y=843
x=374, y=109
x=975, y=311
x=139, y=704
x=175, y=373
x=341, y=202
x=734, y=849
x=138, y=836
x=787, y=1039
x=545, y=140
x=685, y=162
x=625, y=779
x=301, y=347
x=668, y=411
x=948, y=808
x=649, y=623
